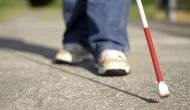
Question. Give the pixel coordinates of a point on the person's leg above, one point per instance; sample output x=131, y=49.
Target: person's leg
x=108, y=35
x=76, y=36
x=108, y=25
x=75, y=17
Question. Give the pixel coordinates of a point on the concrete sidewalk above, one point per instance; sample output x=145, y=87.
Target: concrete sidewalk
x=30, y=81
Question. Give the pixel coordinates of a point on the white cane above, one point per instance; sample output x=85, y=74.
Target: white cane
x=162, y=87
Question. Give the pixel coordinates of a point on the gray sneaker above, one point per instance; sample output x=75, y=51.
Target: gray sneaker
x=72, y=53
x=113, y=63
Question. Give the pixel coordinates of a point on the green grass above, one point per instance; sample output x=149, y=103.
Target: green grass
x=9, y=8
x=149, y=7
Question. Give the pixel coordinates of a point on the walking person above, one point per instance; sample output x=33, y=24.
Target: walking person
x=99, y=27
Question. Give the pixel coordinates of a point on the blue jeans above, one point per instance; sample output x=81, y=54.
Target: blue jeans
x=97, y=24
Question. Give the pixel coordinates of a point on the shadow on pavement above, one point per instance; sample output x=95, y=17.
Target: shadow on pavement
x=19, y=45
x=47, y=52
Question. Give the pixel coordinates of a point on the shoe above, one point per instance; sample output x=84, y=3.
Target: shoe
x=113, y=63
x=72, y=53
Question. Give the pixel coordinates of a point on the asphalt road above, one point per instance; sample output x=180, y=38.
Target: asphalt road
x=30, y=81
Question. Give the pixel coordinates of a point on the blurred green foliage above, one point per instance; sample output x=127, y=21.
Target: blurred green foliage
x=183, y=4
x=149, y=7
x=11, y=3
x=10, y=8
x=13, y=7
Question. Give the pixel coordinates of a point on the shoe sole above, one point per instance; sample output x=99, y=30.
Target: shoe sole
x=115, y=72
x=111, y=72
x=56, y=61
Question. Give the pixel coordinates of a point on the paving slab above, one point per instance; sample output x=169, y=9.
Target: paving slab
x=30, y=81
